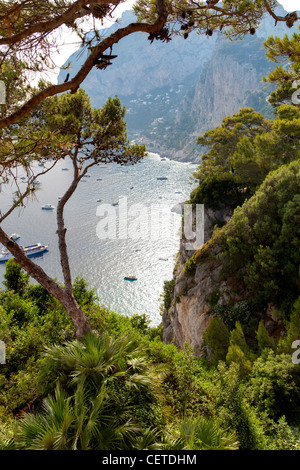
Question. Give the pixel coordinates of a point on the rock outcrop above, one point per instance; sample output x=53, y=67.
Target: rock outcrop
x=190, y=311
x=199, y=285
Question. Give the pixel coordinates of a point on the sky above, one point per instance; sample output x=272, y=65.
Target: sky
x=72, y=43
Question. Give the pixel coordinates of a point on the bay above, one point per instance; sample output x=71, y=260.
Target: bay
x=148, y=252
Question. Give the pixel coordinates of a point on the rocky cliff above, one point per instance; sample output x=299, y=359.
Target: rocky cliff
x=229, y=80
x=200, y=283
x=190, y=310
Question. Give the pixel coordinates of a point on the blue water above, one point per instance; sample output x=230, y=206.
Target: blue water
x=105, y=262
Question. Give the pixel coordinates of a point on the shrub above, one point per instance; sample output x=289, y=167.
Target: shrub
x=235, y=412
x=264, y=340
x=274, y=386
x=261, y=241
x=216, y=341
x=168, y=293
x=216, y=193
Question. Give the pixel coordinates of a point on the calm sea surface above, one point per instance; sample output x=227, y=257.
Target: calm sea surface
x=138, y=244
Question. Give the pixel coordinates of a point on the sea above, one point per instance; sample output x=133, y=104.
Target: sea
x=122, y=221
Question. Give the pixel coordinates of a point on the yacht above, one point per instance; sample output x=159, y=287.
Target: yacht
x=15, y=236
x=29, y=251
x=48, y=207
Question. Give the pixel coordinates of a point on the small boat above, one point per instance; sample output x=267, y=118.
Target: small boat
x=132, y=187
x=87, y=175
x=163, y=259
x=65, y=169
x=115, y=204
x=99, y=200
x=48, y=207
x=29, y=251
x=40, y=164
x=99, y=179
x=162, y=178
x=15, y=236
x=130, y=278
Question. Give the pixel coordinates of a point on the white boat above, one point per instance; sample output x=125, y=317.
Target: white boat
x=15, y=236
x=130, y=278
x=29, y=251
x=48, y=207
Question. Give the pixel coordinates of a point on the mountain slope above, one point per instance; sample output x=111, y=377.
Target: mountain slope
x=176, y=91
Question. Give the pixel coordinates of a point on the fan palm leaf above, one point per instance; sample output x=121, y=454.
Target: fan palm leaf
x=205, y=434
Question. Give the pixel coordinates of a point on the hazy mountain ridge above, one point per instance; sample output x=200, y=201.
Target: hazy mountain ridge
x=174, y=92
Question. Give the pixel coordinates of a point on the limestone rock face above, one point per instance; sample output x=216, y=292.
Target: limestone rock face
x=189, y=314
x=197, y=290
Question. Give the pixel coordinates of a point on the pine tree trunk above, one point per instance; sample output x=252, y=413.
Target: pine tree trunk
x=63, y=295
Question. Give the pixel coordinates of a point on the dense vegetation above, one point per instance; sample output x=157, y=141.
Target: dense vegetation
x=241, y=153
x=120, y=387
x=123, y=388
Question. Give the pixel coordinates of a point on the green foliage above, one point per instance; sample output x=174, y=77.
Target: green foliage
x=39, y=296
x=281, y=436
x=103, y=128
x=235, y=412
x=274, y=385
x=168, y=293
x=261, y=241
x=15, y=278
x=239, y=351
x=215, y=193
x=206, y=434
x=293, y=330
x=241, y=153
x=123, y=388
x=82, y=294
x=98, y=382
x=241, y=311
x=216, y=341
x=285, y=50
x=264, y=340
x=235, y=18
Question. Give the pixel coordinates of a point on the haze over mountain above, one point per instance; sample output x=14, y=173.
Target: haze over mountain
x=176, y=91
